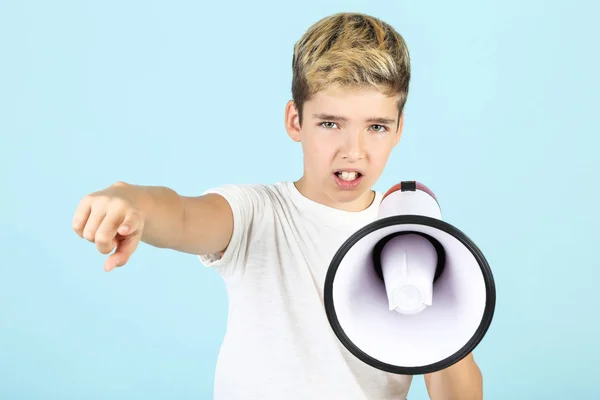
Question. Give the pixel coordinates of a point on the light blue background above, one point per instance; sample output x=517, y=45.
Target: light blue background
x=501, y=123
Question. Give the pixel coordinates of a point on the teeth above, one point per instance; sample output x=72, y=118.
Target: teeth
x=348, y=176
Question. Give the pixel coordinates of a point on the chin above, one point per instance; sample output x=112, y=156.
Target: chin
x=351, y=195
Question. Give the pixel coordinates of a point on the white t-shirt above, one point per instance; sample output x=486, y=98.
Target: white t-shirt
x=279, y=344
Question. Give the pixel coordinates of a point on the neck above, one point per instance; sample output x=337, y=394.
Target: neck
x=311, y=191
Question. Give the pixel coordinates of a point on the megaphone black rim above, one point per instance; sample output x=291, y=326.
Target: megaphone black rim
x=405, y=220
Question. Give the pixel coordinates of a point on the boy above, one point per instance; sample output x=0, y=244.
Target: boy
x=272, y=243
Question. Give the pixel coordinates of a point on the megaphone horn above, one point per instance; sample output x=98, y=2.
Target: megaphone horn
x=409, y=293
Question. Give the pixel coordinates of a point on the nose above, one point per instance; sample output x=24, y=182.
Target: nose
x=354, y=147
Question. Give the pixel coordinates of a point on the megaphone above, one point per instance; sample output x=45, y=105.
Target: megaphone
x=409, y=293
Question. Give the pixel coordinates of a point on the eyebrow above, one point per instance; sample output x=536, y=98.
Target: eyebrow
x=332, y=117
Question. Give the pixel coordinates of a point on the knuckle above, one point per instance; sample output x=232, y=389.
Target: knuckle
x=103, y=248
x=88, y=235
x=102, y=199
x=133, y=215
x=92, y=199
x=119, y=204
x=78, y=231
x=102, y=238
x=97, y=201
x=86, y=199
x=119, y=184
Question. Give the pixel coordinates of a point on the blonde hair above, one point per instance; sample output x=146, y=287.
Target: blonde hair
x=350, y=50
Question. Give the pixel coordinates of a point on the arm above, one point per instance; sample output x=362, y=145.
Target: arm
x=122, y=215
x=194, y=225
x=462, y=380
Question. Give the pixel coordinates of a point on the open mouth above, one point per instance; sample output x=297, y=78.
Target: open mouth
x=348, y=176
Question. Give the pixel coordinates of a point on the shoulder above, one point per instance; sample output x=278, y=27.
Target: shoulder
x=256, y=211
x=255, y=200
x=251, y=192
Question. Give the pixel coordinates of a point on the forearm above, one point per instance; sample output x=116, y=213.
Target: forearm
x=195, y=225
x=163, y=214
x=462, y=381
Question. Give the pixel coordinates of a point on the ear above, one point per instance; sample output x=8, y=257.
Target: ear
x=292, y=121
x=399, y=131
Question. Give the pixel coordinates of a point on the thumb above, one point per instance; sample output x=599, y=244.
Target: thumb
x=130, y=225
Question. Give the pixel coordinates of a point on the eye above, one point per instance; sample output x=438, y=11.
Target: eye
x=379, y=128
x=327, y=124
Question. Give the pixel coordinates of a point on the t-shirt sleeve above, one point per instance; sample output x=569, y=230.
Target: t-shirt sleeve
x=244, y=201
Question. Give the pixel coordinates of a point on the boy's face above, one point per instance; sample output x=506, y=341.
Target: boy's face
x=347, y=137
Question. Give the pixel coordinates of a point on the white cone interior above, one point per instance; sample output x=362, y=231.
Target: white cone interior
x=436, y=332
